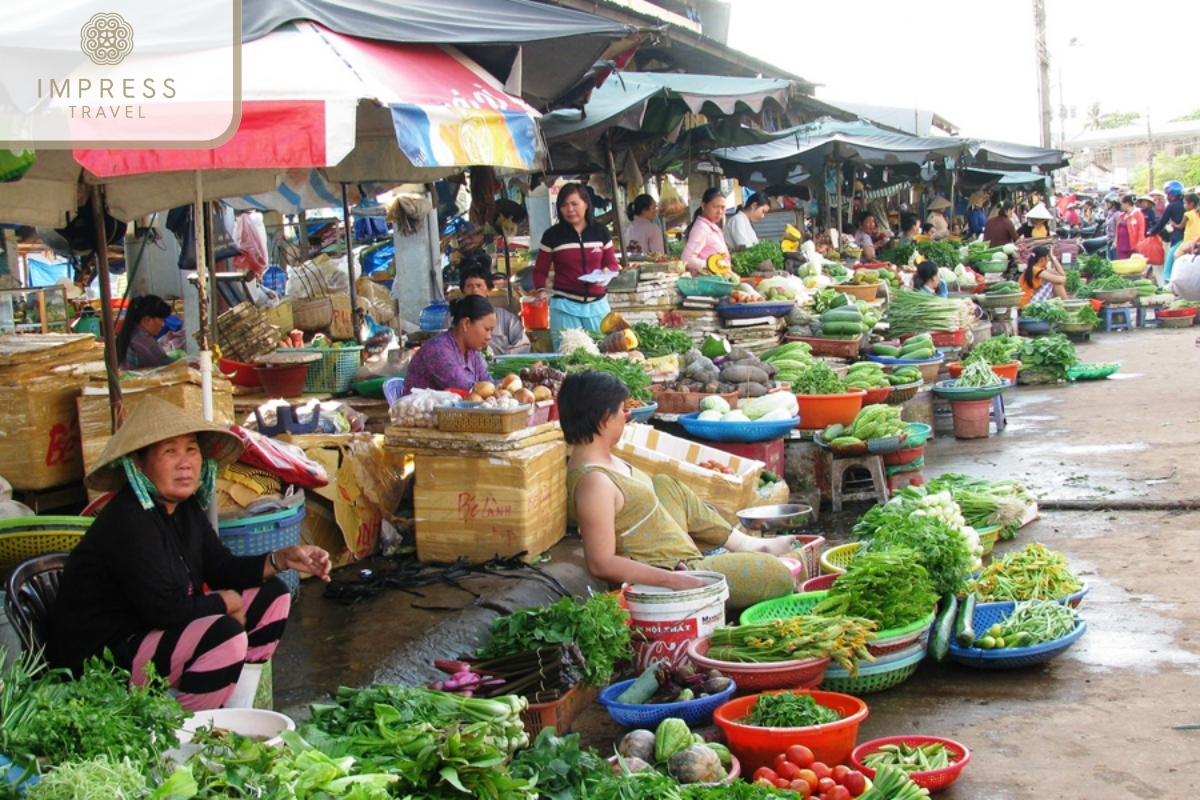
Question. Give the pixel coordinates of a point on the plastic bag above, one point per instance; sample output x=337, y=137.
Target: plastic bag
x=375, y=300
x=250, y=234
x=285, y=461
x=418, y=410
x=1152, y=248
x=670, y=202
x=1185, y=277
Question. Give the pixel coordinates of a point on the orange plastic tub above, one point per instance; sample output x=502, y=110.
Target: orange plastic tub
x=1009, y=371
x=757, y=747
x=819, y=411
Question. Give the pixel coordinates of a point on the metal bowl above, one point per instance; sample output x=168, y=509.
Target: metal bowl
x=770, y=519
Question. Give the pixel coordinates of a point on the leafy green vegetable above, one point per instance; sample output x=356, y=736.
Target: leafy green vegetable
x=1109, y=283
x=93, y=779
x=597, y=627
x=977, y=375
x=889, y=587
x=789, y=710
x=748, y=260
x=985, y=503
x=1053, y=354
x=561, y=768
x=941, y=549
x=899, y=254
x=995, y=351
x=1086, y=314
x=660, y=340
x=1045, y=310
x=1095, y=266
x=1074, y=281
x=630, y=372
x=944, y=254
x=818, y=378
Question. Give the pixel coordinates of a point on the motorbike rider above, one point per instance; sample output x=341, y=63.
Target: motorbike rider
x=1173, y=214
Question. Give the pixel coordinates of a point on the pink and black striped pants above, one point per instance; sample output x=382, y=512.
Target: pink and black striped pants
x=202, y=660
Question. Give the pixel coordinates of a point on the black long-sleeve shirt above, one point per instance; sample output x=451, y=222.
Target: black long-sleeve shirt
x=1173, y=214
x=135, y=571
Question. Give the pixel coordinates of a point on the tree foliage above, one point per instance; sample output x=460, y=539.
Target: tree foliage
x=1194, y=114
x=1098, y=120
x=1185, y=169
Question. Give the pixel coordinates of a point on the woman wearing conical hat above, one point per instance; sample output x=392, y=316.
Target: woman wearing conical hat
x=151, y=581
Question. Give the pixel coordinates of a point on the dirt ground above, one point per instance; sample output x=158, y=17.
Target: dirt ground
x=1114, y=717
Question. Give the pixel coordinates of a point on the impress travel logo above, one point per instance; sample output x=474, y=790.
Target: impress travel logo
x=121, y=74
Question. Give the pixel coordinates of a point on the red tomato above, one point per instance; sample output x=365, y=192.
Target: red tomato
x=801, y=787
x=788, y=770
x=766, y=773
x=781, y=783
x=822, y=770
x=855, y=782
x=839, y=793
x=779, y=761
x=764, y=783
x=826, y=784
x=810, y=778
x=801, y=756
x=840, y=772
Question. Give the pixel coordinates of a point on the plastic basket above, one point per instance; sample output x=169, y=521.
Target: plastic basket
x=335, y=372
x=834, y=348
x=471, y=420
x=894, y=640
x=782, y=607
x=875, y=396
x=904, y=392
x=987, y=615
x=987, y=537
x=750, y=310
x=956, y=338
x=875, y=677
x=757, y=747
x=1170, y=313
x=642, y=413
x=705, y=287
x=888, y=444
x=1176, y=322
x=47, y=523
x=919, y=434
x=951, y=391
x=998, y=300
x=558, y=714
x=719, y=431
x=686, y=402
x=17, y=546
x=934, y=780
x=809, y=554
x=905, y=456
x=262, y=534
x=797, y=674
x=835, y=559
x=694, y=712
x=821, y=583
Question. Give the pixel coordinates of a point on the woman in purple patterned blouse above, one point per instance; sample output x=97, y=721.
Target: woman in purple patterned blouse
x=451, y=360
x=137, y=341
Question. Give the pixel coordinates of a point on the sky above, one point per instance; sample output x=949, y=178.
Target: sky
x=973, y=62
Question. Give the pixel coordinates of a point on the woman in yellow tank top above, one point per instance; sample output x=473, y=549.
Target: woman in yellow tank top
x=652, y=530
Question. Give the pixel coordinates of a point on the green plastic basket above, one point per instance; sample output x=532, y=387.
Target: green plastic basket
x=335, y=372
x=875, y=677
x=43, y=523
x=782, y=607
x=1092, y=372
x=987, y=537
x=705, y=287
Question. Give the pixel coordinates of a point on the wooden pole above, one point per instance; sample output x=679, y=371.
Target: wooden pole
x=349, y=226
x=106, y=311
x=201, y=236
x=612, y=179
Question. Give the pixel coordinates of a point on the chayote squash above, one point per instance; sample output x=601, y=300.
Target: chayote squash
x=671, y=737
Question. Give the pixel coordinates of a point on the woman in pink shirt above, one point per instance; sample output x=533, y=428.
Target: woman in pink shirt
x=705, y=236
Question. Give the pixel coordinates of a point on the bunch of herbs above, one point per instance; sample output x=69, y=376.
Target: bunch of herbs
x=995, y=351
x=1053, y=354
x=888, y=586
x=818, y=378
x=788, y=710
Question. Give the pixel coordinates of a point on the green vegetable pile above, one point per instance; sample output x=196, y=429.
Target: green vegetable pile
x=1032, y=573
x=917, y=312
x=1031, y=623
x=889, y=587
x=597, y=627
x=748, y=260
x=893, y=783
x=630, y=372
x=828, y=299
x=1053, y=354
x=789, y=710
x=791, y=360
x=1095, y=266
x=977, y=374
x=916, y=520
x=944, y=254
x=819, y=378
x=1085, y=315
x=661, y=340
x=1045, y=310
x=804, y=636
x=899, y=254
x=996, y=351
x=1181, y=303
x=921, y=758
x=985, y=503
x=1074, y=281
x=1109, y=283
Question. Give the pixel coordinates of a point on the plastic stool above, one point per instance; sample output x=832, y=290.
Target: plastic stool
x=1147, y=316
x=998, y=416
x=1110, y=319
x=902, y=480
x=837, y=480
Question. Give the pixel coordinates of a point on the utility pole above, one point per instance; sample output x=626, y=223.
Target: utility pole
x=1149, y=152
x=1062, y=113
x=1043, y=60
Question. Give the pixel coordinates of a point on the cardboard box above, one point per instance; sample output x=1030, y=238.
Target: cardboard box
x=39, y=432
x=655, y=452
x=478, y=506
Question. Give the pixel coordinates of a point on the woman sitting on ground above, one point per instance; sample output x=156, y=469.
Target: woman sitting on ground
x=1043, y=277
x=638, y=529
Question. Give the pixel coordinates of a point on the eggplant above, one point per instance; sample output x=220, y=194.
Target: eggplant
x=715, y=685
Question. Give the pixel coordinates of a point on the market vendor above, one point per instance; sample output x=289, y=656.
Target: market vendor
x=1000, y=230
x=739, y=230
x=652, y=530
x=935, y=221
x=137, y=342
x=643, y=227
x=1042, y=278
x=151, y=581
x=705, y=237
x=574, y=247
x=1037, y=223
x=910, y=228
x=929, y=280
x=508, y=337
x=870, y=236
x=452, y=360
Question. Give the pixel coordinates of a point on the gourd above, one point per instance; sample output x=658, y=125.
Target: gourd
x=697, y=764
x=637, y=744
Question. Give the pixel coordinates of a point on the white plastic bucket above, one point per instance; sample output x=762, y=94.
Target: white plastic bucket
x=664, y=621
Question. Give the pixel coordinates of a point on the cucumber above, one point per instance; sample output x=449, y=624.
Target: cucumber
x=943, y=627
x=642, y=689
x=885, y=350
x=841, y=328
x=920, y=338
x=839, y=301
x=847, y=314
x=921, y=354
x=964, y=631
x=832, y=432
x=847, y=441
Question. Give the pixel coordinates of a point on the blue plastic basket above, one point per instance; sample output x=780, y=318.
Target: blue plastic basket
x=952, y=391
x=883, y=674
x=718, y=431
x=693, y=712
x=748, y=310
x=888, y=444
x=275, y=279
x=918, y=434
x=643, y=413
x=393, y=388
x=987, y=615
x=259, y=535
x=903, y=361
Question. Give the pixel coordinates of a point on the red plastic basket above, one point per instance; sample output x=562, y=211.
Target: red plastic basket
x=874, y=396
x=757, y=747
x=821, y=583
x=905, y=456
x=809, y=549
x=240, y=373
x=1170, y=313
x=560, y=713
x=943, y=338
x=800, y=674
x=834, y=348
x=934, y=780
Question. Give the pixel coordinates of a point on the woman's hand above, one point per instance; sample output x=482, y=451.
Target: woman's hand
x=233, y=604
x=680, y=580
x=305, y=558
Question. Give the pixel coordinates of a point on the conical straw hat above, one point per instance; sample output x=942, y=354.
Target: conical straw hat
x=1039, y=212
x=155, y=420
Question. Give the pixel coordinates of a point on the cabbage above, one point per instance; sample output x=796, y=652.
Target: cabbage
x=776, y=415
x=711, y=415
x=714, y=403
x=947, y=275
x=735, y=416
x=761, y=406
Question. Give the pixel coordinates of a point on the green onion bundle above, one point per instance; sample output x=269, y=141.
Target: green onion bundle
x=917, y=312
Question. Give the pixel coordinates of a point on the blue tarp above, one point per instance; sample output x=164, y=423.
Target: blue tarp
x=47, y=273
